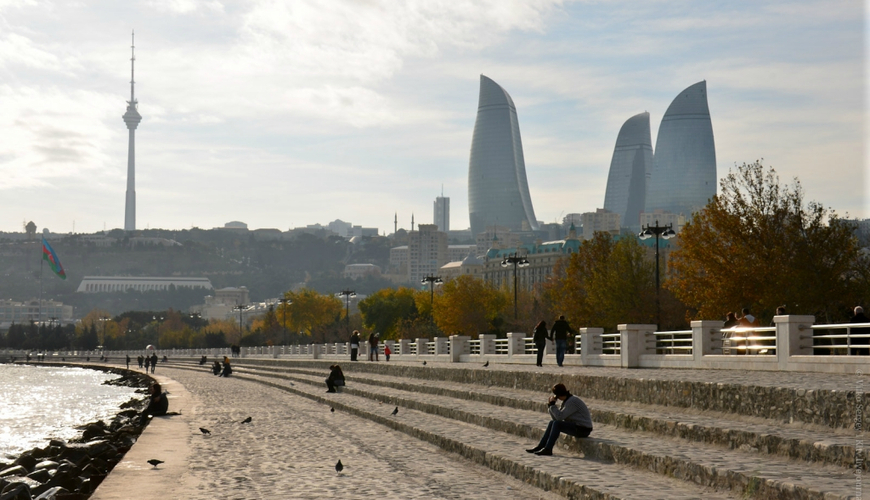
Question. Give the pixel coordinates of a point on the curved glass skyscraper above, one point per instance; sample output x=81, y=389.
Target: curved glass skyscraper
x=631, y=164
x=498, y=192
x=683, y=178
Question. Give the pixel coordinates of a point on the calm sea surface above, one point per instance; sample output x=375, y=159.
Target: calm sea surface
x=38, y=403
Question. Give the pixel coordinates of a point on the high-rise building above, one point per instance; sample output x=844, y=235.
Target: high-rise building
x=442, y=213
x=683, y=178
x=498, y=191
x=427, y=252
x=629, y=168
x=600, y=221
x=132, y=119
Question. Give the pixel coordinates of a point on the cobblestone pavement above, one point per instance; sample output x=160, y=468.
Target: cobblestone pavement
x=290, y=448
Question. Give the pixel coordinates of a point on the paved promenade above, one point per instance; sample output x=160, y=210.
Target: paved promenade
x=289, y=450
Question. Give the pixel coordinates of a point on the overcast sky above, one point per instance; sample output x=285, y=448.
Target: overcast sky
x=283, y=114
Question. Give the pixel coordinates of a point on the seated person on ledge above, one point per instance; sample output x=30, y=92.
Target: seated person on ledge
x=572, y=417
x=335, y=379
x=157, y=403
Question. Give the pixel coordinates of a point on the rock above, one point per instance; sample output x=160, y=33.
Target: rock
x=16, y=491
x=41, y=475
x=46, y=464
x=26, y=460
x=93, y=431
x=16, y=470
x=52, y=493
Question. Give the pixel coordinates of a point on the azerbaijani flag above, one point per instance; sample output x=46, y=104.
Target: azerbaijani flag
x=49, y=256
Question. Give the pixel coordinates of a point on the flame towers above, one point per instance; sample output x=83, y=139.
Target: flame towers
x=132, y=119
x=498, y=191
x=629, y=169
x=683, y=178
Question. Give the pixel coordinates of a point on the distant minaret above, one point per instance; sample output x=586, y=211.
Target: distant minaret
x=132, y=119
x=412, y=221
x=396, y=223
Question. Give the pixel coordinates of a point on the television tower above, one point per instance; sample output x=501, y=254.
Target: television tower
x=132, y=119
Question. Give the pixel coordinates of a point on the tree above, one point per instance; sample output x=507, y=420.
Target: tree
x=470, y=306
x=758, y=244
x=310, y=310
x=608, y=281
x=384, y=310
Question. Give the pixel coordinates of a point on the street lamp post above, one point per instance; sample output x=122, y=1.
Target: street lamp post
x=240, y=307
x=517, y=261
x=347, y=295
x=284, y=301
x=666, y=232
x=432, y=281
x=103, y=320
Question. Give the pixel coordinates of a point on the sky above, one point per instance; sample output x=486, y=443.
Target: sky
x=285, y=114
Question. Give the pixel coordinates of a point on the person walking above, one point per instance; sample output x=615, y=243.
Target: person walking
x=373, y=346
x=128, y=361
x=354, y=345
x=153, y=362
x=572, y=417
x=559, y=333
x=540, y=338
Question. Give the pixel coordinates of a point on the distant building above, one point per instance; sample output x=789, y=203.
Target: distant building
x=235, y=225
x=677, y=221
x=496, y=237
x=603, y=221
x=98, y=284
x=427, y=252
x=442, y=214
x=542, y=257
x=498, y=190
x=25, y=312
x=460, y=252
x=357, y=271
x=629, y=168
x=143, y=240
x=683, y=178
x=222, y=304
x=471, y=264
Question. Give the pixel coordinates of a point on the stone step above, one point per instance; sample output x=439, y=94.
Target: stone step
x=800, y=442
x=713, y=466
x=569, y=474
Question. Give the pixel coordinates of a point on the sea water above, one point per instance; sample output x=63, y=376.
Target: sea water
x=39, y=403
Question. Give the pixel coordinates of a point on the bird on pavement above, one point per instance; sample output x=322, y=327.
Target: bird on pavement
x=339, y=467
x=332, y=410
x=424, y=363
x=247, y=420
x=204, y=430
x=155, y=462
x=395, y=412
x=486, y=364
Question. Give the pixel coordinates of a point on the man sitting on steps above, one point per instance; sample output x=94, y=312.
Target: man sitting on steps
x=572, y=417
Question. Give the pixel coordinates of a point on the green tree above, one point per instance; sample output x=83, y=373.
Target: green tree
x=758, y=244
x=310, y=310
x=470, y=306
x=384, y=310
x=607, y=282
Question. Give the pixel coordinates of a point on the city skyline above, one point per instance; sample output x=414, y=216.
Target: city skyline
x=284, y=115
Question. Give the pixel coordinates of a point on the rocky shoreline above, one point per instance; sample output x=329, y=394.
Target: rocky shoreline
x=73, y=470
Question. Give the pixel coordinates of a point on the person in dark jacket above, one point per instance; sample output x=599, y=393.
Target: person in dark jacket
x=354, y=345
x=335, y=378
x=860, y=317
x=540, y=338
x=572, y=417
x=559, y=333
x=157, y=403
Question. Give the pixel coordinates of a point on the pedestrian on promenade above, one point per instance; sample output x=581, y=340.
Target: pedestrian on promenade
x=780, y=311
x=335, y=378
x=147, y=363
x=559, y=333
x=572, y=417
x=387, y=352
x=141, y=360
x=540, y=338
x=748, y=321
x=373, y=346
x=216, y=367
x=354, y=345
x=128, y=361
x=153, y=362
x=157, y=403
x=228, y=370
x=860, y=317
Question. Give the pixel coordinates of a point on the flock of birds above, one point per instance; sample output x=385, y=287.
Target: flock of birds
x=338, y=466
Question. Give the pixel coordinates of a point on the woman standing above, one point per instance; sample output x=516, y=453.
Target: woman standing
x=354, y=345
x=540, y=340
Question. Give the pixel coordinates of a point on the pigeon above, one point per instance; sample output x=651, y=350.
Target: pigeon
x=486, y=364
x=204, y=430
x=395, y=412
x=332, y=410
x=339, y=467
x=424, y=363
x=247, y=420
x=155, y=462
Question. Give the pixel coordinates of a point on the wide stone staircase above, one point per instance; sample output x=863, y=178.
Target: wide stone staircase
x=654, y=437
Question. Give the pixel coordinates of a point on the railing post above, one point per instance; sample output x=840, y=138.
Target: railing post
x=788, y=337
x=458, y=347
x=314, y=349
x=632, y=343
x=487, y=343
x=588, y=345
x=704, y=333
x=421, y=347
x=516, y=345
x=442, y=345
x=405, y=346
